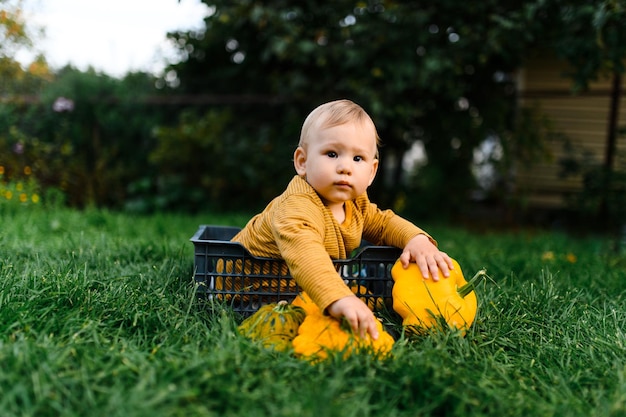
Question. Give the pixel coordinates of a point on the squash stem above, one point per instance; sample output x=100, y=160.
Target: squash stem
x=469, y=287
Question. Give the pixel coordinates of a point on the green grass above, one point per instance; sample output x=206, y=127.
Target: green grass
x=98, y=317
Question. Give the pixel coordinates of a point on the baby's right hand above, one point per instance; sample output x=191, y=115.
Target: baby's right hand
x=358, y=315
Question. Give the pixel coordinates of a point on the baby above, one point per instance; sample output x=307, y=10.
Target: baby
x=325, y=213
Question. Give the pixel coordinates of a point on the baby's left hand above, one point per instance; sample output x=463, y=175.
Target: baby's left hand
x=427, y=256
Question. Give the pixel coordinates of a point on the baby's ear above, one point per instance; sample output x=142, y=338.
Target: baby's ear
x=374, y=170
x=299, y=161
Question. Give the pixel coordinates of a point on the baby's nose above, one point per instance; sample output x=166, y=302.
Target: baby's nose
x=344, y=167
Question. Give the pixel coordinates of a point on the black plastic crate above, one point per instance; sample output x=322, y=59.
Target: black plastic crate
x=225, y=271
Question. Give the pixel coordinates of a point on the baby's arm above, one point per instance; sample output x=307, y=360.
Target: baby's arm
x=359, y=316
x=427, y=256
x=420, y=250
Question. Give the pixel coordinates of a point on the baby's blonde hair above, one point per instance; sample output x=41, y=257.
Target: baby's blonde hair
x=335, y=113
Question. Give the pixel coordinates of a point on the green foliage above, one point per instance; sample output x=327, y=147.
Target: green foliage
x=16, y=35
x=220, y=160
x=588, y=34
x=98, y=317
x=13, y=34
x=423, y=73
x=438, y=72
x=602, y=200
x=605, y=193
x=596, y=42
x=89, y=135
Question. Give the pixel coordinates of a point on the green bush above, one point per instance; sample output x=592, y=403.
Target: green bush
x=88, y=135
x=218, y=160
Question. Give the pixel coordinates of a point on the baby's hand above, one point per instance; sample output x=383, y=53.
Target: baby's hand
x=359, y=316
x=427, y=256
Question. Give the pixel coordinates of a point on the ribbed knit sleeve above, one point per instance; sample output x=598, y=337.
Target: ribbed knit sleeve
x=300, y=228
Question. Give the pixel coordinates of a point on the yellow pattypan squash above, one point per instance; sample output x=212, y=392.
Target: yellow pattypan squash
x=319, y=334
x=274, y=325
x=423, y=302
x=304, y=301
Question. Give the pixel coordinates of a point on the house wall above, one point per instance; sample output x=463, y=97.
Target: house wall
x=583, y=118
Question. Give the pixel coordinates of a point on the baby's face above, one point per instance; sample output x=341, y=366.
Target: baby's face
x=339, y=162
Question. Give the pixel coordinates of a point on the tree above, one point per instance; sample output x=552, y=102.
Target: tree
x=12, y=36
x=435, y=71
x=15, y=37
x=87, y=134
x=18, y=85
x=423, y=73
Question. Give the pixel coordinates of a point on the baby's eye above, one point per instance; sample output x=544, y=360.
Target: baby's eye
x=331, y=154
x=358, y=158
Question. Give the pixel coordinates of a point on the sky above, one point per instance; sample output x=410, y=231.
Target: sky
x=112, y=36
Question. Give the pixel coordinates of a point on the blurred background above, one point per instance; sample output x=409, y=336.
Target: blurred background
x=491, y=113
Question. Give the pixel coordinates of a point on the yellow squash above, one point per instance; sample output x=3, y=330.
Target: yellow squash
x=424, y=302
x=274, y=325
x=319, y=334
x=304, y=301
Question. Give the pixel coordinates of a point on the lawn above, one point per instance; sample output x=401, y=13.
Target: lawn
x=98, y=317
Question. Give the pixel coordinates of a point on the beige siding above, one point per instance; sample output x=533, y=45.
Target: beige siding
x=583, y=118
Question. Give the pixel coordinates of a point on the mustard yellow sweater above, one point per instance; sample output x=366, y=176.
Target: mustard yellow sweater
x=298, y=228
